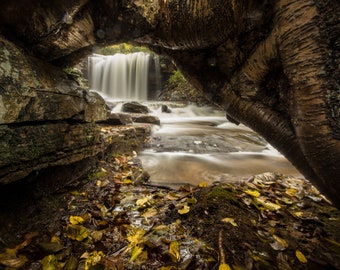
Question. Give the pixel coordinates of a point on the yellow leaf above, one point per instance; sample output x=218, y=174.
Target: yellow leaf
x=269, y=205
x=74, y=220
x=253, y=193
x=77, y=232
x=92, y=258
x=142, y=201
x=279, y=243
x=50, y=262
x=135, y=236
x=291, y=191
x=224, y=266
x=127, y=181
x=11, y=251
x=300, y=256
x=137, y=250
x=55, y=239
x=192, y=200
x=184, y=210
x=298, y=214
x=78, y=193
x=149, y=213
x=174, y=251
x=172, y=196
x=202, y=184
x=230, y=220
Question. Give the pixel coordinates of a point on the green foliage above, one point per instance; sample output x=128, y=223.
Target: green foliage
x=177, y=78
x=122, y=48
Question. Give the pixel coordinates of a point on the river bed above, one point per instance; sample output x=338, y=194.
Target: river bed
x=198, y=144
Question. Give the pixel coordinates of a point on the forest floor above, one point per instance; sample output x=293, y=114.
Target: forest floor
x=115, y=219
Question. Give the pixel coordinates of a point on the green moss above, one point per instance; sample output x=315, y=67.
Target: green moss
x=219, y=193
x=97, y=175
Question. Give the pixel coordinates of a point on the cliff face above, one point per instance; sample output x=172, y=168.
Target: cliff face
x=48, y=121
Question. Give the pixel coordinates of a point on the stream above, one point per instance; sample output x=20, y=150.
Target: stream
x=198, y=144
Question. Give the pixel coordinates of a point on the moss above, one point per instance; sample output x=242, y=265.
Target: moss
x=97, y=175
x=220, y=193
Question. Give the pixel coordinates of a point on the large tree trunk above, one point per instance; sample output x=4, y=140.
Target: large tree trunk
x=272, y=65
x=284, y=83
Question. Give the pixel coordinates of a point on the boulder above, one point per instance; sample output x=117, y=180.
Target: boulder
x=146, y=118
x=134, y=107
x=119, y=119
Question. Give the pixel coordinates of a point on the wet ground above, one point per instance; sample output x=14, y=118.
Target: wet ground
x=115, y=219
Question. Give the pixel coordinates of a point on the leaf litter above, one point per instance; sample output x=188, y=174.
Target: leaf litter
x=109, y=221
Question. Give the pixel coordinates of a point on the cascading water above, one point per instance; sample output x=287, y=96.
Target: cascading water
x=120, y=76
x=198, y=144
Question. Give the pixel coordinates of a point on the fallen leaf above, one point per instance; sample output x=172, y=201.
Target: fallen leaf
x=135, y=236
x=279, y=243
x=268, y=205
x=74, y=220
x=184, y=210
x=202, y=185
x=230, y=220
x=300, y=256
x=150, y=213
x=77, y=232
x=92, y=258
x=253, y=193
x=224, y=266
x=101, y=183
x=174, y=251
x=50, y=262
x=291, y=191
x=12, y=261
x=192, y=200
x=136, y=251
x=97, y=235
x=142, y=201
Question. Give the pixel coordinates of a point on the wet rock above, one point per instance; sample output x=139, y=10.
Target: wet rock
x=119, y=119
x=150, y=119
x=165, y=109
x=134, y=107
x=48, y=122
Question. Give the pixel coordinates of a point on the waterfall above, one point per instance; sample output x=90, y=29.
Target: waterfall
x=120, y=76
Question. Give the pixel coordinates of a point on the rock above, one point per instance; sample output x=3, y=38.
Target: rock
x=165, y=109
x=33, y=91
x=56, y=150
x=24, y=149
x=48, y=123
x=134, y=107
x=150, y=119
x=119, y=119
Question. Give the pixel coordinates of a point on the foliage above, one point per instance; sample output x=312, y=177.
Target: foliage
x=177, y=78
x=123, y=48
x=114, y=223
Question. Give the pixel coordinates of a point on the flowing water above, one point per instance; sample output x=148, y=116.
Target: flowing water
x=197, y=144
x=193, y=144
x=124, y=76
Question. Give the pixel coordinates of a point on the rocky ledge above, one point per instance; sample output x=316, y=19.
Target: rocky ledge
x=50, y=126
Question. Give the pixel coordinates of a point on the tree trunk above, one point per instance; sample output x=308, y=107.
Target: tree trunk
x=284, y=85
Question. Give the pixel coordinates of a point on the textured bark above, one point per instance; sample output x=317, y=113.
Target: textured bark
x=272, y=65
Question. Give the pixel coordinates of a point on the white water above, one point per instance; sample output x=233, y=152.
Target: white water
x=120, y=76
x=195, y=145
